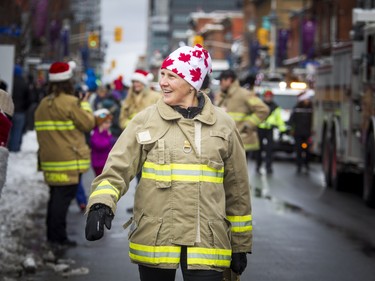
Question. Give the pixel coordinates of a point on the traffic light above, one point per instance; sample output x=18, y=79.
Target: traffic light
x=93, y=40
x=198, y=39
x=118, y=34
x=113, y=64
x=263, y=36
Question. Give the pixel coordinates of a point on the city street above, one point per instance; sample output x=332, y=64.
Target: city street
x=302, y=231
x=294, y=76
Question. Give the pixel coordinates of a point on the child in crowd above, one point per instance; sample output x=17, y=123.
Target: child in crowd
x=101, y=139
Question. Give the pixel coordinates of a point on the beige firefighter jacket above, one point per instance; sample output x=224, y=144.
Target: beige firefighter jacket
x=194, y=189
x=60, y=124
x=135, y=103
x=246, y=109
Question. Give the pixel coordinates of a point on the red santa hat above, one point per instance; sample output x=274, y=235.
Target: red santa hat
x=142, y=76
x=190, y=63
x=61, y=71
x=268, y=93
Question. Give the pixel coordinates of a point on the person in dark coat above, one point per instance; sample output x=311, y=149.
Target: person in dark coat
x=301, y=124
x=21, y=100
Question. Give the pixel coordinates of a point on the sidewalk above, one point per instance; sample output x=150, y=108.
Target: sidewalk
x=22, y=208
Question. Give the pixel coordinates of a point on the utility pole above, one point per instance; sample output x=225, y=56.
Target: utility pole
x=273, y=20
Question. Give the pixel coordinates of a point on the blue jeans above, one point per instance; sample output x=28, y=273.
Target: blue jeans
x=81, y=194
x=16, y=132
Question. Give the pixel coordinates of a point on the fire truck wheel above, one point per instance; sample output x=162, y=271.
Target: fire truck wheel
x=340, y=180
x=368, y=180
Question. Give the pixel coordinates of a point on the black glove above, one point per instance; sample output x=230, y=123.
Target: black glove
x=238, y=263
x=99, y=215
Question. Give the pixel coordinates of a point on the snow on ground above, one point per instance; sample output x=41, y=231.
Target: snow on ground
x=22, y=209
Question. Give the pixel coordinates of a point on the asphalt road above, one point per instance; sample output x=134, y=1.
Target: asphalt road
x=302, y=231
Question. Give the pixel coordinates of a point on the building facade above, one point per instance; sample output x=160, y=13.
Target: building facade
x=168, y=26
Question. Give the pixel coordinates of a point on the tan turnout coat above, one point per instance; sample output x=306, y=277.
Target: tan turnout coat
x=194, y=189
x=135, y=103
x=60, y=124
x=247, y=110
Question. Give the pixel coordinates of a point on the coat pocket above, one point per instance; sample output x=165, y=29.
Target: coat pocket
x=215, y=165
x=158, y=166
x=218, y=144
x=145, y=230
x=220, y=233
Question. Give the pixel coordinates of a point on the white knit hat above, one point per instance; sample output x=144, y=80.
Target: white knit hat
x=61, y=71
x=142, y=76
x=190, y=63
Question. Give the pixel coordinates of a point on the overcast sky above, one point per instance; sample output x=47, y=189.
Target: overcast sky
x=132, y=17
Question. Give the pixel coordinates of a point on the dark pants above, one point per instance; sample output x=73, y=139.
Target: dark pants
x=58, y=205
x=267, y=135
x=157, y=274
x=303, y=154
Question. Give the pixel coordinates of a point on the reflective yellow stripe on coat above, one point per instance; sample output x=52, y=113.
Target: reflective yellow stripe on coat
x=171, y=255
x=106, y=188
x=51, y=125
x=154, y=254
x=206, y=256
x=66, y=165
x=241, y=223
x=237, y=116
x=182, y=172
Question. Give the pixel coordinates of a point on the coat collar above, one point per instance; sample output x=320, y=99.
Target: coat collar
x=207, y=115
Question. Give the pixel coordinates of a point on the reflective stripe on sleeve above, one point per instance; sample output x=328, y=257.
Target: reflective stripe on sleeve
x=86, y=106
x=251, y=146
x=241, y=223
x=253, y=119
x=106, y=188
x=237, y=116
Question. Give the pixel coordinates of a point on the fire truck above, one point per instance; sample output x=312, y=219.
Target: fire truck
x=344, y=110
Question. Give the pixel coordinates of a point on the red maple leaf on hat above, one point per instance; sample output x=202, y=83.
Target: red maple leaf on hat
x=178, y=73
x=167, y=62
x=205, y=63
x=197, y=53
x=184, y=57
x=195, y=74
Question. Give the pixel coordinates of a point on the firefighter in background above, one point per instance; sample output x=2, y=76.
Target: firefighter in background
x=61, y=121
x=139, y=96
x=301, y=128
x=192, y=206
x=265, y=132
x=246, y=109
